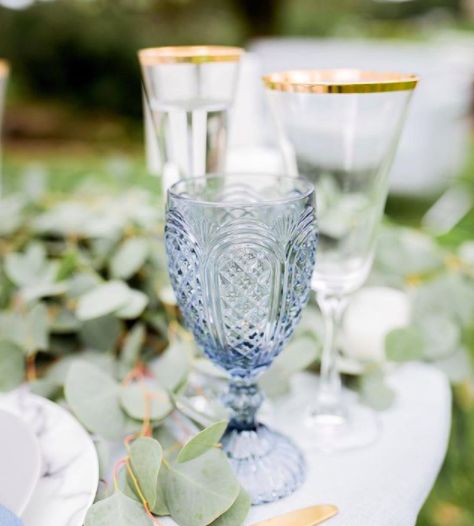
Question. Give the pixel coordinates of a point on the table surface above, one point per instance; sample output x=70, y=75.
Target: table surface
x=386, y=483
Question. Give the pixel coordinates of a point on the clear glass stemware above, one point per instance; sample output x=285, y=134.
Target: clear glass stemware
x=241, y=251
x=340, y=129
x=189, y=90
x=4, y=71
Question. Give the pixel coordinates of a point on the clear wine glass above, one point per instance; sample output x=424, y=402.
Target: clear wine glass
x=189, y=90
x=241, y=251
x=4, y=71
x=340, y=129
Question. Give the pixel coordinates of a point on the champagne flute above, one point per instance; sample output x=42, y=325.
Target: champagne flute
x=189, y=90
x=4, y=71
x=340, y=129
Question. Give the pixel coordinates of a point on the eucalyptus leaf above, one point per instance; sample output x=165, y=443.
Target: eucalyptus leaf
x=172, y=368
x=45, y=387
x=441, y=336
x=451, y=295
x=140, y=401
x=129, y=258
x=237, y=513
x=36, y=337
x=29, y=330
x=404, y=344
x=145, y=461
x=64, y=322
x=94, y=397
x=202, y=442
x=43, y=290
x=457, y=366
x=12, y=365
x=81, y=283
x=375, y=392
x=31, y=267
x=117, y=510
x=201, y=490
x=135, y=305
x=160, y=507
x=102, y=300
x=100, y=333
x=13, y=327
x=133, y=344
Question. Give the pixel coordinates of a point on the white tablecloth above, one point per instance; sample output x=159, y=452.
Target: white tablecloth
x=387, y=483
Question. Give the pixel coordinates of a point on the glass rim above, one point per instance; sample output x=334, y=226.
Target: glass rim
x=343, y=80
x=307, y=190
x=189, y=54
x=4, y=68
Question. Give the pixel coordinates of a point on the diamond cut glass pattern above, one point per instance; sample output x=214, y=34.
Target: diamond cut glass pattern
x=241, y=254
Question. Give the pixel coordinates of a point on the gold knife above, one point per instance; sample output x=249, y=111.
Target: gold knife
x=304, y=517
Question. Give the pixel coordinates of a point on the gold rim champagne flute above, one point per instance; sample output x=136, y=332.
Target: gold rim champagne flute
x=189, y=90
x=340, y=129
x=4, y=71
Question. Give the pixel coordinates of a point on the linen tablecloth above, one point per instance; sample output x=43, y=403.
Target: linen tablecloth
x=386, y=483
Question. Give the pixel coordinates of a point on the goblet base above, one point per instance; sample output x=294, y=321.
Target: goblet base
x=351, y=427
x=268, y=465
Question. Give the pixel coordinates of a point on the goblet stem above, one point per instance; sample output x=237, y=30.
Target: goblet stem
x=329, y=406
x=243, y=399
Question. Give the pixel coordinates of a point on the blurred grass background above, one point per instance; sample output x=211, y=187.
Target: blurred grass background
x=74, y=112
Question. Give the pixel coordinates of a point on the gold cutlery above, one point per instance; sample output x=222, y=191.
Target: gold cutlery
x=303, y=517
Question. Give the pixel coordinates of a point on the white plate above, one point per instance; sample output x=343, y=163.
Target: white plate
x=20, y=462
x=70, y=470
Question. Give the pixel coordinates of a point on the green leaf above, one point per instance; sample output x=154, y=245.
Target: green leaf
x=43, y=290
x=31, y=267
x=441, y=336
x=117, y=510
x=64, y=322
x=37, y=327
x=404, y=251
x=94, y=397
x=202, y=442
x=145, y=461
x=30, y=330
x=132, y=345
x=201, y=490
x=172, y=368
x=101, y=333
x=136, y=304
x=141, y=401
x=404, y=344
x=237, y=513
x=104, y=299
x=81, y=283
x=160, y=507
x=457, y=366
x=375, y=392
x=129, y=258
x=12, y=365
x=450, y=295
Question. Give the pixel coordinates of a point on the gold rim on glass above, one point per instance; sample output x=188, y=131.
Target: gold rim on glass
x=4, y=68
x=339, y=81
x=189, y=54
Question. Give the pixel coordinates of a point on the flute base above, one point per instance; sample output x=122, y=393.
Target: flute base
x=351, y=427
x=268, y=465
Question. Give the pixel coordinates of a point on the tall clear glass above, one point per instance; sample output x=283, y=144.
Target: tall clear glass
x=189, y=90
x=241, y=251
x=4, y=71
x=340, y=129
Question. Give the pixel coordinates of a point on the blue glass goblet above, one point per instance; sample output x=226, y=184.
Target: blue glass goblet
x=241, y=253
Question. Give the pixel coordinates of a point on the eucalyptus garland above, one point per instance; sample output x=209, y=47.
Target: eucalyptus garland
x=88, y=319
